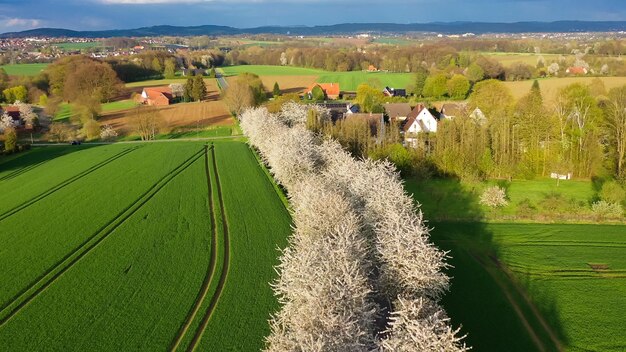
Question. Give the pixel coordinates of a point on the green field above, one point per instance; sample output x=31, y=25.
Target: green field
x=449, y=199
x=24, y=69
x=348, y=81
x=516, y=287
x=393, y=41
x=137, y=247
x=118, y=105
x=269, y=70
x=78, y=46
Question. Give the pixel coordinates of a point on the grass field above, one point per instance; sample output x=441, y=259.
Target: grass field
x=574, y=275
x=550, y=86
x=393, y=41
x=78, y=46
x=507, y=59
x=137, y=247
x=446, y=199
x=24, y=69
x=303, y=77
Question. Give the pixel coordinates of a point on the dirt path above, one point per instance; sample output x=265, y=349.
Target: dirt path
x=225, y=267
x=204, y=290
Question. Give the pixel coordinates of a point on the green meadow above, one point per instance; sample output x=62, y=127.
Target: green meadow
x=138, y=246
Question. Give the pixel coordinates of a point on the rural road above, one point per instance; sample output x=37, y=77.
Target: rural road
x=221, y=81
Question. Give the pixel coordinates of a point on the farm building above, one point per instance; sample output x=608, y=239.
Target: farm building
x=156, y=96
x=397, y=111
x=14, y=112
x=339, y=111
x=331, y=90
x=393, y=92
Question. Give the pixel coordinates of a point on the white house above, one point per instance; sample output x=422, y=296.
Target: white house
x=420, y=120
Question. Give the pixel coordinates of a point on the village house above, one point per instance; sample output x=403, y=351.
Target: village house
x=420, y=120
x=576, y=70
x=397, y=111
x=392, y=92
x=331, y=90
x=339, y=111
x=452, y=110
x=156, y=96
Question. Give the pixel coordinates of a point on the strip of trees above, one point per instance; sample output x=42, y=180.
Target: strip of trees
x=359, y=273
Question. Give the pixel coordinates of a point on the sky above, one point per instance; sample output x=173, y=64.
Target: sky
x=17, y=15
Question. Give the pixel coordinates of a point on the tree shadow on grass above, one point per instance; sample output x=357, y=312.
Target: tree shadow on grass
x=14, y=165
x=485, y=300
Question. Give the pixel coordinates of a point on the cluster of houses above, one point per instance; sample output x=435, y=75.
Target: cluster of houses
x=411, y=120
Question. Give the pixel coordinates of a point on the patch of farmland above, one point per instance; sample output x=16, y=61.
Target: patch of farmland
x=258, y=226
x=120, y=258
x=575, y=276
x=289, y=84
x=132, y=291
x=203, y=114
x=550, y=86
x=271, y=70
x=24, y=69
x=69, y=214
x=507, y=59
x=349, y=81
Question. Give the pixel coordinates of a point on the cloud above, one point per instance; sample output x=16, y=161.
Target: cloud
x=13, y=22
x=150, y=2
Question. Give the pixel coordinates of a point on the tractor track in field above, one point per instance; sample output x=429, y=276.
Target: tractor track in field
x=220, y=285
x=26, y=295
x=67, y=182
x=16, y=173
x=212, y=261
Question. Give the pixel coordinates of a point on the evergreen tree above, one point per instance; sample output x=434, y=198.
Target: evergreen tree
x=276, y=90
x=188, y=91
x=198, y=92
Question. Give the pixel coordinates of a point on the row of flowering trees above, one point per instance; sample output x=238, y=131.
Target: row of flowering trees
x=359, y=273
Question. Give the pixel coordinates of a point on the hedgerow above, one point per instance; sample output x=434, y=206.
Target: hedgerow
x=358, y=240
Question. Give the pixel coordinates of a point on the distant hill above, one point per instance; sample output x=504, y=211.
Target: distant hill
x=344, y=28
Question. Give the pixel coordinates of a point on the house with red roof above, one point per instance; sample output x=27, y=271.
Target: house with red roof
x=331, y=90
x=576, y=70
x=156, y=96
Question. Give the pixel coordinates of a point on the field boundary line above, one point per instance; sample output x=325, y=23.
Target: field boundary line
x=69, y=260
x=67, y=182
x=212, y=261
x=220, y=286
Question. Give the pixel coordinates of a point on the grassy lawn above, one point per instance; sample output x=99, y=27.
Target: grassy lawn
x=123, y=239
x=24, y=69
x=450, y=199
